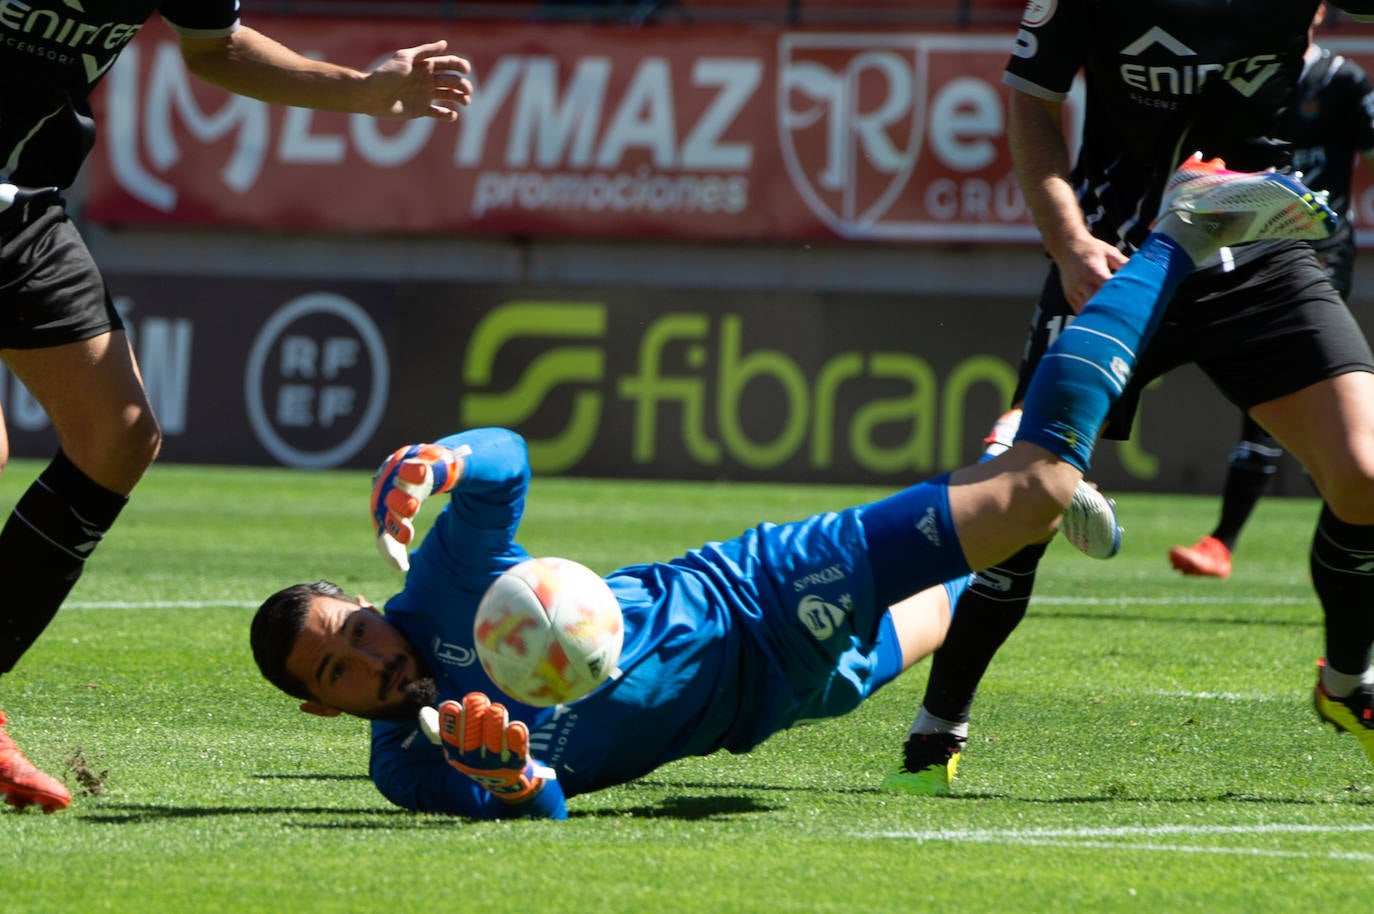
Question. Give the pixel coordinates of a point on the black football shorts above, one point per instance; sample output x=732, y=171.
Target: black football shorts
x=51, y=291
x=1268, y=328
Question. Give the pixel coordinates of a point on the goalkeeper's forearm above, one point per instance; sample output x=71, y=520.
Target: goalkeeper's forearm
x=545, y=803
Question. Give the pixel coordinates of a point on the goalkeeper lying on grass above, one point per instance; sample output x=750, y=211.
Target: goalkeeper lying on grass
x=718, y=652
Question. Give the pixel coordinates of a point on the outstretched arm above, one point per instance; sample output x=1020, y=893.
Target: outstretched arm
x=481, y=519
x=415, y=82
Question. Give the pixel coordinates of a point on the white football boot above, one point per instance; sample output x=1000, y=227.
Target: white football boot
x=1089, y=522
x=1235, y=207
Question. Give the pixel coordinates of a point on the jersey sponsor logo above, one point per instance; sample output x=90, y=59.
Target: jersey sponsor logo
x=451, y=654
x=988, y=579
x=1120, y=370
x=821, y=617
x=1184, y=76
x=1038, y=12
x=824, y=576
x=1157, y=36
x=549, y=741
x=64, y=40
x=929, y=527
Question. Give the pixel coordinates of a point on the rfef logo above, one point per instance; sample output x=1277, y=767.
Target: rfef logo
x=317, y=380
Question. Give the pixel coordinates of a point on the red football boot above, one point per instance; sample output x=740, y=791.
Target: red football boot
x=1208, y=558
x=22, y=784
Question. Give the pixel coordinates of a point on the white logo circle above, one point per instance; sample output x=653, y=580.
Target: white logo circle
x=1038, y=12
x=263, y=346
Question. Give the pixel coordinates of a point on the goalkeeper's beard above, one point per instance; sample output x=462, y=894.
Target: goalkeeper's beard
x=415, y=695
x=420, y=693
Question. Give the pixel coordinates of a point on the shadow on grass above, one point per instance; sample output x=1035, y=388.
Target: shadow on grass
x=659, y=784
x=686, y=809
x=1049, y=611
x=136, y=813
x=312, y=777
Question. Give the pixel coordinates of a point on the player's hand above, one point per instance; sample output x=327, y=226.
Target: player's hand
x=420, y=82
x=1086, y=268
x=400, y=485
x=481, y=740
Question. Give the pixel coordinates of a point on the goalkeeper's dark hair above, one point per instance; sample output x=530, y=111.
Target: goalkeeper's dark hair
x=277, y=624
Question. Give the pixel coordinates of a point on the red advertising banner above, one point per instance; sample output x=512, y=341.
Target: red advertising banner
x=674, y=132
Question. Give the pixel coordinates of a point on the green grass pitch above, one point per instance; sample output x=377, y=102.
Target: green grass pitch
x=1143, y=743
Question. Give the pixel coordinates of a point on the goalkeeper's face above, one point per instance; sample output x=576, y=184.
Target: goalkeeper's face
x=353, y=660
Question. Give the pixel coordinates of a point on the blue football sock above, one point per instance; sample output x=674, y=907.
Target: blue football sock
x=1087, y=367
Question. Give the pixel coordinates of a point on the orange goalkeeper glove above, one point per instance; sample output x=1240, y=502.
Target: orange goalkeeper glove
x=400, y=485
x=482, y=742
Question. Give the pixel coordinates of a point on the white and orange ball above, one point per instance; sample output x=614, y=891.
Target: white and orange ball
x=548, y=631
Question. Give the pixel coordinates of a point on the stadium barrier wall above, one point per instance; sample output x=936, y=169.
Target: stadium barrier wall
x=670, y=382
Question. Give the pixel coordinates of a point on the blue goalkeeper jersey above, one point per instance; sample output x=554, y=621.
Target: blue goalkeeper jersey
x=723, y=646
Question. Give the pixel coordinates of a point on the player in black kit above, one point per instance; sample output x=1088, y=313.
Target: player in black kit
x=1332, y=126
x=59, y=332
x=1165, y=78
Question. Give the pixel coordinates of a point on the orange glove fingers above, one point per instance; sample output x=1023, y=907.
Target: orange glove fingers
x=518, y=739
x=494, y=726
x=473, y=726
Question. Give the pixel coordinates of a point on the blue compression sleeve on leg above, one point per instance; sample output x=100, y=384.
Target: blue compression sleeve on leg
x=887, y=653
x=955, y=589
x=912, y=541
x=887, y=650
x=1087, y=367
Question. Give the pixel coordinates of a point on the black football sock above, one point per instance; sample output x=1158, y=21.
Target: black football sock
x=1253, y=463
x=56, y=525
x=988, y=612
x=1343, y=575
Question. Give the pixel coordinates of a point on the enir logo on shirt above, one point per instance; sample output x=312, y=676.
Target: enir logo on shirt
x=53, y=36
x=1161, y=65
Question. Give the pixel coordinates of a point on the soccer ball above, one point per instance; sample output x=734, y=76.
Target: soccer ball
x=548, y=631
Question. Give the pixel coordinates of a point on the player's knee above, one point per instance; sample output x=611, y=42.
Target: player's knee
x=142, y=441
x=116, y=454
x=1350, y=499
x=1347, y=484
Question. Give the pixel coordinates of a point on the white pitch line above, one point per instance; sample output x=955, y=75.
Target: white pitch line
x=1217, y=696
x=1169, y=601
x=1135, y=831
x=1093, y=838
